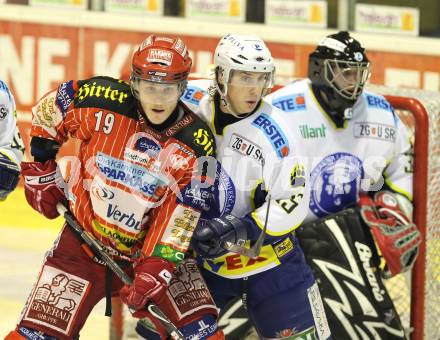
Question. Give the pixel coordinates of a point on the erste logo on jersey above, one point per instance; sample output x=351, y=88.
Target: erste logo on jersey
x=378, y=102
x=290, y=103
x=273, y=133
x=193, y=94
x=246, y=148
x=375, y=130
x=335, y=183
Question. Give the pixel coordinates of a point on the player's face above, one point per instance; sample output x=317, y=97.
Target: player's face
x=245, y=90
x=158, y=100
x=348, y=77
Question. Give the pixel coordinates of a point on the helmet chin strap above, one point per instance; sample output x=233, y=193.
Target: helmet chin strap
x=342, y=107
x=224, y=95
x=227, y=104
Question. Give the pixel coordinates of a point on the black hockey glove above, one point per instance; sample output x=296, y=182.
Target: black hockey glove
x=9, y=176
x=210, y=236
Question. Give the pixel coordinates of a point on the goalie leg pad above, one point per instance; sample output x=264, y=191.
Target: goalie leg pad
x=341, y=252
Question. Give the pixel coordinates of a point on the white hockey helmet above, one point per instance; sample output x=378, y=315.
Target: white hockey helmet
x=242, y=53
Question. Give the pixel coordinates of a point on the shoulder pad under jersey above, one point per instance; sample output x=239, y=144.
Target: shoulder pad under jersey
x=197, y=135
x=265, y=127
x=291, y=97
x=106, y=93
x=194, y=92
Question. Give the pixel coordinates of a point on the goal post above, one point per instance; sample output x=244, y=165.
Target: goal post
x=420, y=110
x=420, y=185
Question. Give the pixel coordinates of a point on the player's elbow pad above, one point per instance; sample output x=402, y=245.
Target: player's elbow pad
x=43, y=149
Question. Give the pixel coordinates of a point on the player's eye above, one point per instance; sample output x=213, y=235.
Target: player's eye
x=246, y=79
x=168, y=90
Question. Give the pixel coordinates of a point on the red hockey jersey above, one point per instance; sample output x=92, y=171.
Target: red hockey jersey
x=132, y=187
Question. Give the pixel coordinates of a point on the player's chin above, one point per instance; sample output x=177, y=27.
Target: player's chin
x=250, y=106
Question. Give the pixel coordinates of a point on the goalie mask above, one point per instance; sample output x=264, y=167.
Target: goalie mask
x=243, y=63
x=339, y=68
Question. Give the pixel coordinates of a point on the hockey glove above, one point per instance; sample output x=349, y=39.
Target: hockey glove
x=396, y=236
x=151, y=278
x=210, y=236
x=188, y=304
x=42, y=186
x=9, y=176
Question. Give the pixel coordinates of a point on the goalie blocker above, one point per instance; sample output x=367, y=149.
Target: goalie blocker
x=342, y=254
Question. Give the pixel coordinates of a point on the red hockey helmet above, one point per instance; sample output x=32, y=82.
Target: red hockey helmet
x=161, y=59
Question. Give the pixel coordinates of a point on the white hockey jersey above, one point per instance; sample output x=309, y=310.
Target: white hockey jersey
x=194, y=92
x=11, y=145
x=372, y=151
x=257, y=155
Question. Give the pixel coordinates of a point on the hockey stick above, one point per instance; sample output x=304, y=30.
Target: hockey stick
x=255, y=250
x=96, y=245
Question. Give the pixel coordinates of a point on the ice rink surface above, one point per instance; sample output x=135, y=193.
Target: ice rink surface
x=25, y=237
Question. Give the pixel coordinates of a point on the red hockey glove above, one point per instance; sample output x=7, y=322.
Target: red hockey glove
x=188, y=304
x=151, y=278
x=396, y=236
x=41, y=186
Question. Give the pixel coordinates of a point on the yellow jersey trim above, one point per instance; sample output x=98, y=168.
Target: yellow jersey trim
x=272, y=233
x=233, y=265
x=397, y=189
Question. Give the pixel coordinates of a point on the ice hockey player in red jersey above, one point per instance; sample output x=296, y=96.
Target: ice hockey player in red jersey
x=135, y=185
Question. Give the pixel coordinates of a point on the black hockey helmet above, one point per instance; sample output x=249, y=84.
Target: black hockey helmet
x=340, y=68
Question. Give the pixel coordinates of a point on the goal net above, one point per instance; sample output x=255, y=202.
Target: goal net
x=416, y=294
